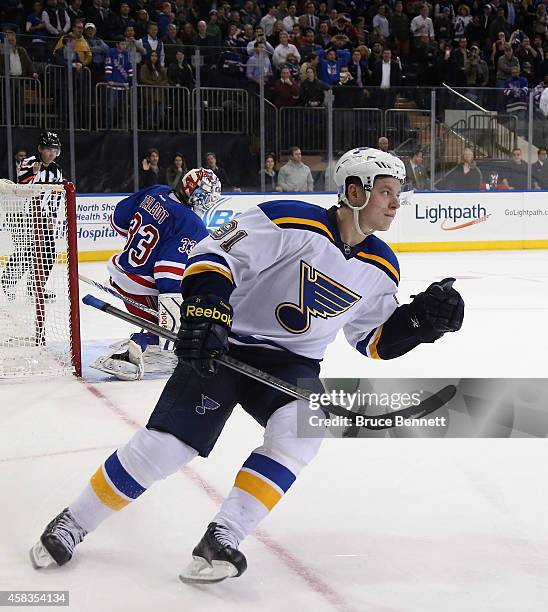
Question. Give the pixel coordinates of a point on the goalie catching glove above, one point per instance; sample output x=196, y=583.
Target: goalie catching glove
x=437, y=310
x=203, y=335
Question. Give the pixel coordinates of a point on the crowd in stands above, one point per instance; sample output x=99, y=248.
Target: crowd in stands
x=303, y=48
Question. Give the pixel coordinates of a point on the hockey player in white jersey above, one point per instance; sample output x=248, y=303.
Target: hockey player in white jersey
x=161, y=227
x=272, y=289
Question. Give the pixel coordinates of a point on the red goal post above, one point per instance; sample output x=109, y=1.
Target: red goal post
x=39, y=304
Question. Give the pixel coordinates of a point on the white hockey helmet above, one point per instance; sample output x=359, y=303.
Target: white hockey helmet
x=201, y=188
x=366, y=164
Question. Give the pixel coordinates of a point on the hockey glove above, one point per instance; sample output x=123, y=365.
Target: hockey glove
x=203, y=335
x=437, y=310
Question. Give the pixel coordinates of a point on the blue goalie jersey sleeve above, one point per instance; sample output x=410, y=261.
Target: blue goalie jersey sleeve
x=160, y=232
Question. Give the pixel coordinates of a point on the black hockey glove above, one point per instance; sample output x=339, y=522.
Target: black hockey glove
x=437, y=310
x=203, y=335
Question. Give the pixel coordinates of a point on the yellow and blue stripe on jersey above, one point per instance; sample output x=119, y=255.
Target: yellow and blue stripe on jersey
x=376, y=252
x=294, y=214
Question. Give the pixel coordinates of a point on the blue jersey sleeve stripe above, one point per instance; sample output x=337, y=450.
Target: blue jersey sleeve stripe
x=122, y=480
x=274, y=471
x=375, y=246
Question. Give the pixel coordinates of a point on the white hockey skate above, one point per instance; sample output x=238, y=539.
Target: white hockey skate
x=213, y=559
x=125, y=362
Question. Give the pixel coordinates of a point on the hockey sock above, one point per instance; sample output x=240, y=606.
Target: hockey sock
x=259, y=486
x=149, y=456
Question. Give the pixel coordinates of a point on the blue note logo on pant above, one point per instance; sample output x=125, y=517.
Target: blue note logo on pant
x=207, y=404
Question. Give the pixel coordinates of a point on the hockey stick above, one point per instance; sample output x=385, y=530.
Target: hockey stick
x=115, y=293
x=429, y=405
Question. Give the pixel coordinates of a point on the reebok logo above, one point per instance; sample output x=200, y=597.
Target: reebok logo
x=208, y=313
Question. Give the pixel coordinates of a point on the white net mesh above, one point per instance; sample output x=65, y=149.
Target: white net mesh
x=35, y=323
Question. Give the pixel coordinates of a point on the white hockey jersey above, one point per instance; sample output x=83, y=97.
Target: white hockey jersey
x=295, y=283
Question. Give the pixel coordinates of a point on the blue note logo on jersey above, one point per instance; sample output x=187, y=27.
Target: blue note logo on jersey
x=320, y=296
x=207, y=404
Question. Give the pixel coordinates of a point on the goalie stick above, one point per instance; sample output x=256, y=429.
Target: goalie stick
x=116, y=294
x=426, y=407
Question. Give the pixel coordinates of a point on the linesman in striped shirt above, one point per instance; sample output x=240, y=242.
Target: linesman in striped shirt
x=40, y=168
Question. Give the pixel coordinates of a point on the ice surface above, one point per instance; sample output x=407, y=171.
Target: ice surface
x=378, y=525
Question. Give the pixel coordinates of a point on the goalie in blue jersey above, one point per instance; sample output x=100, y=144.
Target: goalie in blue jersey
x=272, y=289
x=161, y=227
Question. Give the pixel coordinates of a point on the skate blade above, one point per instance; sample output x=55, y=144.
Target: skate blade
x=40, y=557
x=199, y=571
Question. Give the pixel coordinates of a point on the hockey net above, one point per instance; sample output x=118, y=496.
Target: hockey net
x=39, y=311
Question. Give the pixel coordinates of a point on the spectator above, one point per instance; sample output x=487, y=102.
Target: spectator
x=526, y=53
x=294, y=175
x=540, y=170
x=96, y=14
x=291, y=18
x=386, y=75
x=359, y=69
x=56, y=20
x=283, y=50
x=19, y=156
x=141, y=27
x=515, y=175
x=312, y=61
x=118, y=75
x=400, y=30
x=416, y=173
x=163, y=18
x=476, y=70
x=75, y=11
x=152, y=73
x=179, y=72
x=383, y=144
x=176, y=171
x=497, y=48
x=268, y=21
x=498, y=25
x=211, y=163
x=309, y=45
x=461, y=22
x=135, y=46
x=172, y=43
x=261, y=38
x=312, y=90
x=206, y=44
x=292, y=63
x=250, y=14
x=99, y=50
x=188, y=34
x=323, y=38
x=311, y=20
x=277, y=31
x=270, y=174
x=124, y=19
x=422, y=25
x=151, y=42
x=527, y=74
x=151, y=173
x=474, y=32
x=515, y=90
x=79, y=44
x=285, y=91
x=36, y=28
x=466, y=176
x=253, y=66
x=213, y=29
x=347, y=95
x=381, y=26
x=20, y=65
x=505, y=65
x=329, y=68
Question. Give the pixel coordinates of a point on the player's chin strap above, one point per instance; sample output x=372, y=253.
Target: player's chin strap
x=426, y=407
x=356, y=210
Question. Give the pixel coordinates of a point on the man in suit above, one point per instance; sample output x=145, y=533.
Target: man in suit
x=387, y=76
x=416, y=172
x=309, y=18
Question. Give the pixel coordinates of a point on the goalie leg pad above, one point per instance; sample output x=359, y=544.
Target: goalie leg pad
x=126, y=365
